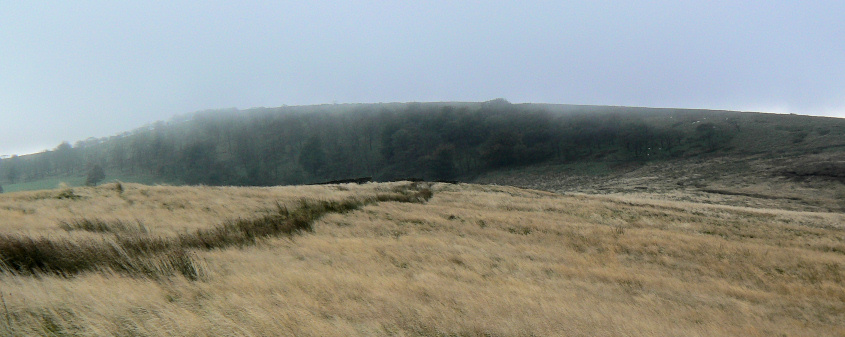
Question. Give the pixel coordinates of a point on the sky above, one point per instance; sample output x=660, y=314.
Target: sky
x=70, y=70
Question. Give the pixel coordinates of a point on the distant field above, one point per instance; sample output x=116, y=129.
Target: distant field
x=76, y=181
x=473, y=260
x=44, y=184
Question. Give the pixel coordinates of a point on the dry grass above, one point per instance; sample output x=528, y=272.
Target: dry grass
x=473, y=261
x=137, y=253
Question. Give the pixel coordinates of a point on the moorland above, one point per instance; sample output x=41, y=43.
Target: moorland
x=521, y=220
x=411, y=259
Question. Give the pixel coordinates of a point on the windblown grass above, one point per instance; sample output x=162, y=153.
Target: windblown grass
x=154, y=256
x=102, y=226
x=472, y=261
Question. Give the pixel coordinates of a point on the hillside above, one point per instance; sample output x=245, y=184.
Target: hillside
x=440, y=141
x=411, y=260
x=800, y=182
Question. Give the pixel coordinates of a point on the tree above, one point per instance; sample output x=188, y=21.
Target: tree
x=503, y=149
x=201, y=166
x=95, y=175
x=66, y=157
x=638, y=138
x=313, y=157
x=713, y=136
x=12, y=169
x=441, y=162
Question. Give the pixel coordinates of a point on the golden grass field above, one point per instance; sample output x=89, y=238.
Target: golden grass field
x=474, y=260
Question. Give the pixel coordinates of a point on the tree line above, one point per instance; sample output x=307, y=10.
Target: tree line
x=434, y=141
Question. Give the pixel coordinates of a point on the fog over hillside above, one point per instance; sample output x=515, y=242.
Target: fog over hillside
x=431, y=141
x=90, y=69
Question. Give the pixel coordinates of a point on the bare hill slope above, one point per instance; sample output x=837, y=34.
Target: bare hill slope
x=812, y=182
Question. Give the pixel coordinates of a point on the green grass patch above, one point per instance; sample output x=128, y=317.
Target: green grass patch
x=74, y=181
x=145, y=179
x=45, y=184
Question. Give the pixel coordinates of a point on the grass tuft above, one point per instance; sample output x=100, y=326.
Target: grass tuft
x=68, y=194
x=102, y=226
x=134, y=253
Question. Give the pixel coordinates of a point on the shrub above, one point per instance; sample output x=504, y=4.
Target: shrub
x=95, y=175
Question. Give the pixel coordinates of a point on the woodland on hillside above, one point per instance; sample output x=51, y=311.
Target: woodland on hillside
x=432, y=141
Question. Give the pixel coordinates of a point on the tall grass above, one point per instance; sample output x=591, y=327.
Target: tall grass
x=102, y=226
x=38, y=256
x=134, y=253
x=472, y=261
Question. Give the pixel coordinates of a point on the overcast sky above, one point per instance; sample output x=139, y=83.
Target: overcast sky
x=70, y=70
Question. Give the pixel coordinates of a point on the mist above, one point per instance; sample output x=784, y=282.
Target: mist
x=93, y=69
